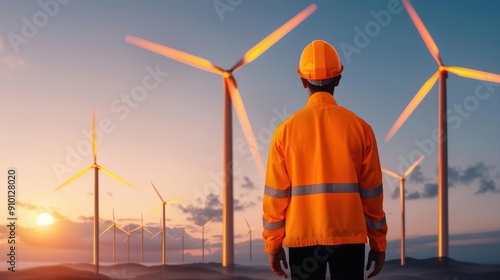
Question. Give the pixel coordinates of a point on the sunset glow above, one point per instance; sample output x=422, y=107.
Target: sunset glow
x=44, y=219
x=101, y=98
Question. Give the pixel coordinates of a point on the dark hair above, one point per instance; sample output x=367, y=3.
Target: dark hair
x=330, y=87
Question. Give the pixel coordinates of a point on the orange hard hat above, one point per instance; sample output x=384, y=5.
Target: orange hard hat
x=319, y=61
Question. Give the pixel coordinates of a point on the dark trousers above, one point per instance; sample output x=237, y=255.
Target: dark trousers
x=346, y=262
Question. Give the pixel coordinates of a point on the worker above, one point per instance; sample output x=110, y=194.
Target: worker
x=323, y=188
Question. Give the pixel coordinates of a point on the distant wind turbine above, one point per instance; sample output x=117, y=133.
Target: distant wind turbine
x=96, y=168
x=442, y=74
x=231, y=93
x=203, y=238
x=163, y=237
x=250, y=229
x=183, y=232
x=127, y=238
x=402, y=201
x=114, y=226
x=142, y=228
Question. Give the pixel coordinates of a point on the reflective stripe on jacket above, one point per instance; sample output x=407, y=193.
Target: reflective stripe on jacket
x=323, y=181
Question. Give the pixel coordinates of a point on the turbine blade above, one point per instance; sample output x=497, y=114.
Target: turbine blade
x=274, y=37
x=180, y=56
x=230, y=85
x=108, y=228
x=156, y=210
x=254, y=228
x=147, y=230
x=174, y=200
x=412, y=105
x=247, y=223
x=393, y=174
x=126, y=238
x=170, y=236
x=73, y=178
x=156, y=234
x=137, y=228
x=120, y=228
x=116, y=177
x=426, y=36
x=206, y=224
x=94, y=142
x=410, y=169
x=157, y=192
x=473, y=74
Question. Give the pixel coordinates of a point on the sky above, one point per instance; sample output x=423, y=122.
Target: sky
x=161, y=121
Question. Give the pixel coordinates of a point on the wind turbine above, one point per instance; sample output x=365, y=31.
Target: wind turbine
x=183, y=232
x=402, y=201
x=142, y=228
x=203, y=238
x=96, y=168
x=441, y=73
x=231, y=93
x=250, y=233
x=114, y=226
x=163, y=237
x=128, y=245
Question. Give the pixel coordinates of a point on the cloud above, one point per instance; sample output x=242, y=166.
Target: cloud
x=430, y=190
x=242, y=206
x=85, y=219
x=453, y=176
x=212, y=209
x=29, y=206
x=487, y=185
x=417, y=175
x=248, y=184
x=413, y=195
x=470, y=174
x=1, y=43
x=475, y=175
x=200, y=215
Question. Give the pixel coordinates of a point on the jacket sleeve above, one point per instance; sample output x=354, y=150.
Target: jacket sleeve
x=371, y=191
x=276, y=196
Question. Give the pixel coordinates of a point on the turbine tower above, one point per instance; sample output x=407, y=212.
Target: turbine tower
x=231, y=93
x=114, y=226
x=183, y=232
x=402, y=201
x=250, y=229
x=203, y=239
x=96, y=168
x=127, y=238
x=142, y=228
x=163, y=236
x=442, y=74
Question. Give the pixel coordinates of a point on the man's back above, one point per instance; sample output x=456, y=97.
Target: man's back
x=323, y=187
x=323, y=148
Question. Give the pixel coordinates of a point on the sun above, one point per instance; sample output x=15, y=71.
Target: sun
x=44, y=219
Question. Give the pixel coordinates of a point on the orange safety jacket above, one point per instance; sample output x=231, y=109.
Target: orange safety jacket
x=323, y=181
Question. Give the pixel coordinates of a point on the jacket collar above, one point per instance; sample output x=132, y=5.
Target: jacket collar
x=321, y=97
